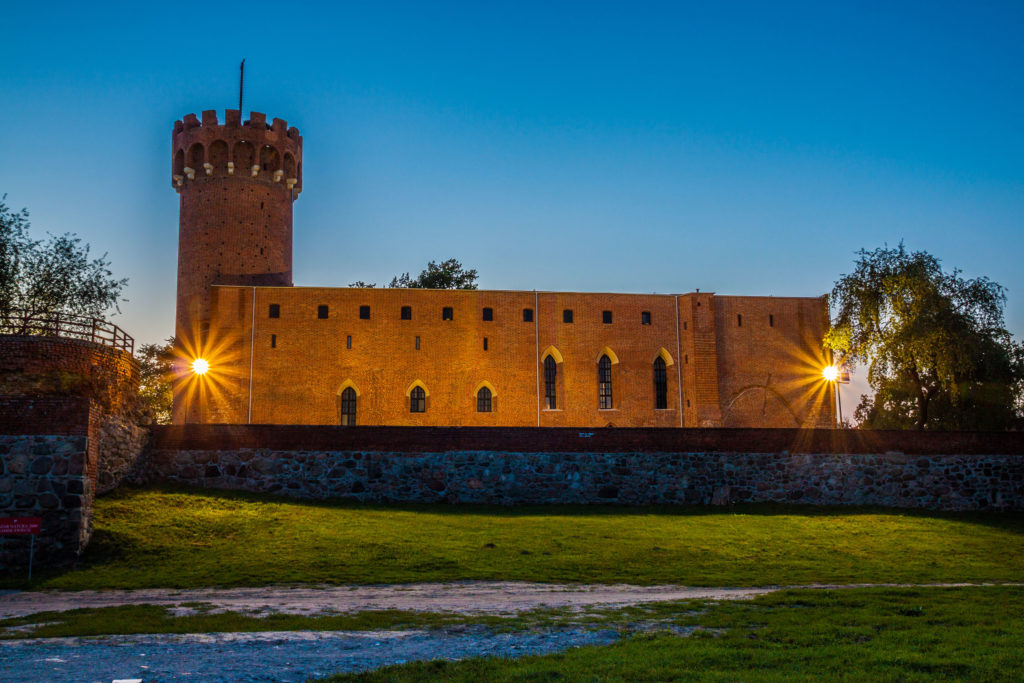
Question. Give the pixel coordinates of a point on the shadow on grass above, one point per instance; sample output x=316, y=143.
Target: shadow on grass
x=1007, y=521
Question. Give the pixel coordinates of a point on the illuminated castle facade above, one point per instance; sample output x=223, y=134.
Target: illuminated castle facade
x=280, y=354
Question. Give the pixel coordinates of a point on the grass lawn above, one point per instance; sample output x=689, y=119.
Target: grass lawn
x=847, y=635
x=155, y=538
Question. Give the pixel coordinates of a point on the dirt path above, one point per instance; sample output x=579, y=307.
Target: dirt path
x=470, y=597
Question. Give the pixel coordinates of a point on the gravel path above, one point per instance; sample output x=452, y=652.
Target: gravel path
x=466, y=597
x=471, y=597
x=269, y=656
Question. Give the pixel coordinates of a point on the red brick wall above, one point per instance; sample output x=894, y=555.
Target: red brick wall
x=40, y=366
x=234, y=227
x=534, y=440
x=297, y=381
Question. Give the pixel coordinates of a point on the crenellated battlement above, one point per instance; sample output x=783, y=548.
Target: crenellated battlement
x=205, y=148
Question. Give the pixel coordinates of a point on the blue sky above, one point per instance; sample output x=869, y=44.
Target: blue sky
x=744, y=148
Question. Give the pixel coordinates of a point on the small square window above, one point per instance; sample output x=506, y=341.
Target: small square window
x=527, y=315
x=348, y=342
x=488, y=314
x=485, y=343
x=275, y=310
x=645, y=317
x=406, y=312
x=417, y=343
x=364, y=312
x=447, y=313
x=321, y=311
x=606, y=317
x=273, y=341
x=567, y=315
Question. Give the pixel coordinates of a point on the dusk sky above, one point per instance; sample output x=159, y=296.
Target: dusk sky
x=637, y=147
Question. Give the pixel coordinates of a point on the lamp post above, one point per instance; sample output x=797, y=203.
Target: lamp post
x=200, y=366
x=835, y=376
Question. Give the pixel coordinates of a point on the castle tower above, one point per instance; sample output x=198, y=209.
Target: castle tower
x=237, y=182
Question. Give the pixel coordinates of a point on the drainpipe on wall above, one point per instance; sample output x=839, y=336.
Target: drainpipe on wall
x=252, y=350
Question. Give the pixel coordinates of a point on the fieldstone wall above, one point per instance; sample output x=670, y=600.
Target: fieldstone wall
x=937, y=482
x=117, y=443
x=45, y=476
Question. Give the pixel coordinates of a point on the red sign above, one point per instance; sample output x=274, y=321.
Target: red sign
x=20, y=525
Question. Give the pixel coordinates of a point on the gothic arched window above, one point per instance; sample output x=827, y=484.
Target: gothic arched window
x=604, y=383
x=348, y=407
x=550, y=380
x=660, y=384
x=417, y=400
x=483, y=400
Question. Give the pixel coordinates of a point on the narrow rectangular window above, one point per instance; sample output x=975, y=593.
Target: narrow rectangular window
x=684, y=324
x=567, y=315
x=604, y=383
x=406, y=312
x=446, y=313
x=488, y=314
x=417, y=343
x=321, y=311
x=550, y=379
x=364, y=312
x=739, y=320
x=606, y=317
x=686, y=360
x=485, y=343
x=687, y=403
x=348, y=342
x=527, y=315
x=275, y=310
x=771, y=320
x=645, y=317
x=273, y=341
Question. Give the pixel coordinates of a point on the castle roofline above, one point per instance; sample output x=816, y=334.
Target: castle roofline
x=518, y=291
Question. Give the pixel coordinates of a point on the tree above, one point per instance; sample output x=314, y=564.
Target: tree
x=38, y=279
x=447, y=275
x=937, y=352
x=156, y=370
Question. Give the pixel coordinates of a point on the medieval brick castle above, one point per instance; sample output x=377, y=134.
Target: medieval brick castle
x=280, y=354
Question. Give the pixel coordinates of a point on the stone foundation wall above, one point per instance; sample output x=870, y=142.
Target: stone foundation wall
x=45, y=476
x=117, y=443
x=937, y=482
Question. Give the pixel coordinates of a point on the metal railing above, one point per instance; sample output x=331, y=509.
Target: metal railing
x=20, y=322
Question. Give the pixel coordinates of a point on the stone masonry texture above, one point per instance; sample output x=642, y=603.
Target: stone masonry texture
x=587, y=473
x=68, y=430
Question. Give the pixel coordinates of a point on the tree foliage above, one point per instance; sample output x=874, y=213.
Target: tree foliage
x=937, y=352
x=156, y=370
x=40, y=278
x=445, y=275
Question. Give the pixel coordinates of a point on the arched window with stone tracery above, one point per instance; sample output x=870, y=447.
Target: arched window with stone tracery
x=348, y=407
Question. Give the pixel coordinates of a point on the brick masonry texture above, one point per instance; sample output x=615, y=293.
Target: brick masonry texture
x=68, y=430
x=595, y=467
x=732, y=361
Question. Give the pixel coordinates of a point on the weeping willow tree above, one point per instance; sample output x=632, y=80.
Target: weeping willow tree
x=937, y=352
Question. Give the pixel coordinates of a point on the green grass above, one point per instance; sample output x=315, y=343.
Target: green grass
x=165, y=538
x=847, y=635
